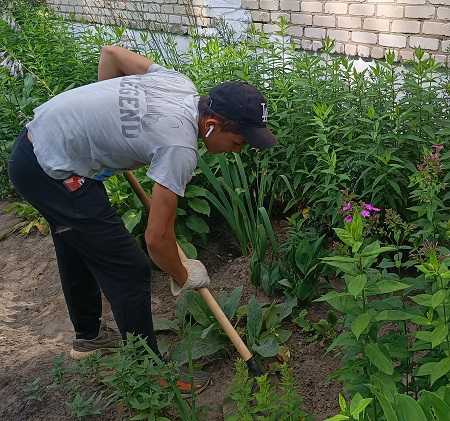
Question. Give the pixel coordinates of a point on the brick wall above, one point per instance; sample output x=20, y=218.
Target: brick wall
x=365, y=28
x=174, y=15
x=146, y=14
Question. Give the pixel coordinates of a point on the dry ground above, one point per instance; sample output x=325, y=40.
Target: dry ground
x=34, y=329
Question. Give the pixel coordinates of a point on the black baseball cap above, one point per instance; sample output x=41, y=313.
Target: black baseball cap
x=241, y=102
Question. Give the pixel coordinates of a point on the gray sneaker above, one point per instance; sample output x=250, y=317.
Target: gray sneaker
x=107, y=338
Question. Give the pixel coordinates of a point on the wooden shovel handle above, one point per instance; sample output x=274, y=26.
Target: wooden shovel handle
x=220, y=316
x=227, y=327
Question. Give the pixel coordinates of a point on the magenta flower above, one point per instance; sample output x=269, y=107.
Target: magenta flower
x=348, y=218
x=347, y=207
x=365, y=213
x=371, y=208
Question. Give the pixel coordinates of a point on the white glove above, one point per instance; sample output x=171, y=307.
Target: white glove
x=197, y=277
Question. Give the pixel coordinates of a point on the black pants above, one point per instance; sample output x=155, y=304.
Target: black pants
x=94, y=250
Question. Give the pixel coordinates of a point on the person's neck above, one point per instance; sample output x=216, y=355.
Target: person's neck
x=200, y=128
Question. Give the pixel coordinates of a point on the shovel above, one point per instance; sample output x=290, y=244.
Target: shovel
x=220, y=316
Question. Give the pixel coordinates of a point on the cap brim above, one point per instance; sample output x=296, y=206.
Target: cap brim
x=259, y=137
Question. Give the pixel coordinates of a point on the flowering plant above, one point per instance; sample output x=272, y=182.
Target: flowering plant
x=428, y=186
x=366, y=210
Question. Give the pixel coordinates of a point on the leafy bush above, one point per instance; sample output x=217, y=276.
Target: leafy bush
x=202, y=336
x=346, y=139
x=394, y=344
x=339, y=129
x=265, y=334
x=134, y=374
x=51, y=61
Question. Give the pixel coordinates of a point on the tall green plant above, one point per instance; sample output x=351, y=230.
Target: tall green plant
x=395, y=341
x=242, y=206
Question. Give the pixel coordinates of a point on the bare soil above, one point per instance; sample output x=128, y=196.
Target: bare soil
x=35, y=328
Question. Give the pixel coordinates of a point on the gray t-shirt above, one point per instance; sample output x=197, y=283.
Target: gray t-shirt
x=121, y=124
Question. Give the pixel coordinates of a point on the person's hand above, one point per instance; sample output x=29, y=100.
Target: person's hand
x=197, y=277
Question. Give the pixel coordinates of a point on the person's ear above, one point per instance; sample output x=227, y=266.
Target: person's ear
x=209, y=125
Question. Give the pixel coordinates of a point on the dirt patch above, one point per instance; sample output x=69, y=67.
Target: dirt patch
x=35, y=328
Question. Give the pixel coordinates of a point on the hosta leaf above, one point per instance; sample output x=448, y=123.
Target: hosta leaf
x=283, y=335
x=206, y=331
x=444, y=393
x=430, y=400
x=379, y=359
x=199, y=205
x=188, y=248
x=285, y=308
x=440, y=369
x=131, y=218
x=360, y=324
x=408, y=409
x=303, y=256
x=422, y=299
x=232, y=302
x=198, y=309
x=438, y=335
x=195, y=191
x=197, y=224
x=267, y=348
x=271, y=317
x=425, y=369
x=356, y=284
x=199, y=348
x=254, y=320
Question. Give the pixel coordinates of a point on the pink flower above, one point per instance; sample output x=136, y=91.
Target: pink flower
x=371, y=208
x=365, y=213
x=437, y=147
x=347, y=207
x=348, y=218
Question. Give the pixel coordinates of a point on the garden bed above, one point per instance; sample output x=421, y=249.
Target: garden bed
x=360, y=180
x=35, y=329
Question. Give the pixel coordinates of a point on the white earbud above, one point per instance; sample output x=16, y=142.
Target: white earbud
x=210, y=130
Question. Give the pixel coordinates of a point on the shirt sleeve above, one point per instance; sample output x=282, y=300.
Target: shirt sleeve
x=155, y=68
x=173, y=167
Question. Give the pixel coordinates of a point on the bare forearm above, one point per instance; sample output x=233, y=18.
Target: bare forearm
x=165, y=255
x=117, y=61
x=107, y=66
